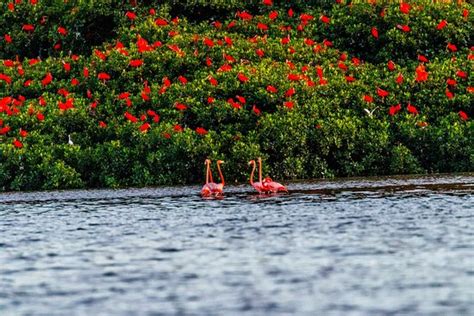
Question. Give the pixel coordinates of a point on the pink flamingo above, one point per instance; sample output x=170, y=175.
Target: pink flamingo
x=218, y=188
x=257, y=185
x=207, y=187
x=211, y=188
x=267, y=185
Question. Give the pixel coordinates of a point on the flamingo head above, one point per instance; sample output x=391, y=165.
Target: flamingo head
x=251, y=162
x=207, y=161
x=259, y=159
x=220, y=161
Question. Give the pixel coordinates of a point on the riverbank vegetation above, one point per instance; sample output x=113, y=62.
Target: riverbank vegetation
x=147, y=92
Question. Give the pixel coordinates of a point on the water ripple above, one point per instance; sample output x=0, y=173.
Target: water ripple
x=353, y=247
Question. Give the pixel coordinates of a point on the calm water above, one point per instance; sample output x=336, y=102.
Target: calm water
x=356, y=247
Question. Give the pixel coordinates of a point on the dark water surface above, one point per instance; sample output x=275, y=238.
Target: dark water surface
x=393, y=246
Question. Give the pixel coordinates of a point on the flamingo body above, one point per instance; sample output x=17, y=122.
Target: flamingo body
x=273, y=187
x=266, y=185
x=259, y=187
x=206, y=190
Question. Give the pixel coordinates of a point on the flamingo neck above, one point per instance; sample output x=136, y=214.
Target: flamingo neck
x=207, y=172
x=210, y=174
x=251, y=173
x=220, y=174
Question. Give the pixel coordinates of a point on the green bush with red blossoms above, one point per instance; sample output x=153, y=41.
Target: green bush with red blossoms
x=146, y=92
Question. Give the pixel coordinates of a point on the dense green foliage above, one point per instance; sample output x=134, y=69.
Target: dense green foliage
x=146, y=93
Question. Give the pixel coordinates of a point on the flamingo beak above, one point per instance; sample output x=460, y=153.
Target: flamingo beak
x=220, y=161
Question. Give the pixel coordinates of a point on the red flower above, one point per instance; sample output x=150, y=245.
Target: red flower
x=241, y=99
x=272, y=89
x=463, y=116
x=441, y=25
x=103, y=76
x=391, y=65
x=28, y=28
x=144, y=127
x=102, y=124
x=394, y=109
x=62, y=31
x=267, y=2
x=201, y=131
x=399, y=79
x=342, y=66
x=135, y=62
x=273, y=15
x=461, y=74
x=63, y=106
x=262, y=26
x=421, y=74
x=228, y=41
x=290, y=12
x=244, y=16
x=325, y=19
x=17, y=143
x=48, y=78
x=177, y=128
x=99, y=54
x=290, y=92
x=289, y=104
x=405, y=28
x=242, y=77
x=452, y=47
x=451, y=82
x=4, y=130
x=8, y=38
x=8, y=63
x=130, y=117
x=382, y=93
x=375, y=32
x=350, y=79
x=449, y=94
x=40, y=116
x=423, y=59
x=180, y=107
x=161, y=22
x=293, y=77
x=210, y=100
x=183, y=80
x=213, y=81
x=411, y=109
x=208, y=42
x=130, y=15
x=23, y=133
x=225, y=68
x=67, y=67
x=256, y=110
x=260, y=52
x=42, y=101
x=368, y=98
x=5, y=78
x=405, y=8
